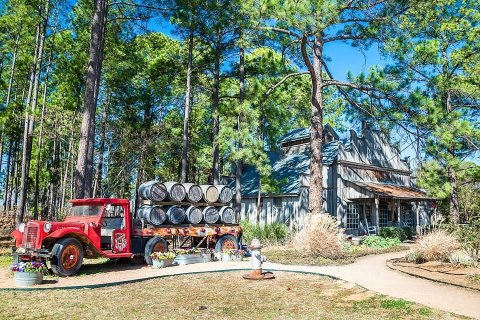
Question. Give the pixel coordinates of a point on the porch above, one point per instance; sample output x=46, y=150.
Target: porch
x=383, y=205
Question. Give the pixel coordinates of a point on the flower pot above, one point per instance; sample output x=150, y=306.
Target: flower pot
x=27, y=279
x=226, y=257
x=237, y=258
x=157, y=264
x=206, y=257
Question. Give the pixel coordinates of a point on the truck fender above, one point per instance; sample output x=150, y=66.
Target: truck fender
x=64, y=233
x=18, y=237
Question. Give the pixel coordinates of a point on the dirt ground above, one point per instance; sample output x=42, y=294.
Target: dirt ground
x=442, y=272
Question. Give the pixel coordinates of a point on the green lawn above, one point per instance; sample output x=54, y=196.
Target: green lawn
x=215, y=296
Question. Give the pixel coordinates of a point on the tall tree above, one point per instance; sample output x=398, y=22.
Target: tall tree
x=314, y=25
x=436, y=52
x=84, y=167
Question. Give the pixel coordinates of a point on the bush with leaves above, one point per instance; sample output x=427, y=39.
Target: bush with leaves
x=269, y=234
x=321, y=236
x=378, y=242
x=393, y=232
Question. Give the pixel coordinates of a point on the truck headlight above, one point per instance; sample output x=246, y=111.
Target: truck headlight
x=47, y=227
x=21, y=227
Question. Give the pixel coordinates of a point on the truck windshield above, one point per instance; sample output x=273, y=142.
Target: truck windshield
x=85, y=211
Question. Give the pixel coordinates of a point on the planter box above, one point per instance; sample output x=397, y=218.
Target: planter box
x=236, y=258
x=226, y=257
x=207, y=257
x=157, y=264
x=27, y=279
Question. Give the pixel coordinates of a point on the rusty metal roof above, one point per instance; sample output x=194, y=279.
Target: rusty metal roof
x=393, y=191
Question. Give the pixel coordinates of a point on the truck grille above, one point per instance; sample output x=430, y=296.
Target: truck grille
x=30, y=236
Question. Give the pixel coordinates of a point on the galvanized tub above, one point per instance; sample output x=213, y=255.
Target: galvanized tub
x=185, y=259
x=27, y=279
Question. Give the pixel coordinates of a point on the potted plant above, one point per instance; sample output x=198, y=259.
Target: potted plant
x=188, y=256
x=227, y=255
x=237, y=255
x=29, y=273
x=162, y=259
x=207, y=255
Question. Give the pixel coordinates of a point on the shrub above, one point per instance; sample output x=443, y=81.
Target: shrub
x=273, y=234
x=414, y=256
x=378, y=242
x=393, y=232
x=469, y=237
x=462, y=258
x=437, y=245
x=321, y=236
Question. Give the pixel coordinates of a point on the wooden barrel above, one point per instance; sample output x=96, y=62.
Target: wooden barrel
x=176, y=214
x=225, y=193
x=194, y=215
x=152, y=190
x=176, y=192
x=152, y=214
x=210, y=193
x=227, y=215
x=194, y=192
x=210, y=215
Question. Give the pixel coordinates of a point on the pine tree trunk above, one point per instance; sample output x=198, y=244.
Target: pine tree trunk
x=239, y=164
x=7, y=176
x=84, y=168
x=12, y=72
x=103, y=131
x=186, y=117
x=40, y=140
x=215, y=103
x=454, y=203
x=28, y=130
x=316, y=132
x=13, y=171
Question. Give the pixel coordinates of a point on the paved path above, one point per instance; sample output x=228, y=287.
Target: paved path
x=369, y=272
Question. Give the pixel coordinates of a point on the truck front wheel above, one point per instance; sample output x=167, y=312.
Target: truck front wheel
x=67, y=257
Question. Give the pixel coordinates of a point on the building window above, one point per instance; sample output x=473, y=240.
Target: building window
x=407, y=216
x=353, y=216
x=383, y=215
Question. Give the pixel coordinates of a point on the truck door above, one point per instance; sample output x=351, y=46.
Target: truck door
x=114, y=230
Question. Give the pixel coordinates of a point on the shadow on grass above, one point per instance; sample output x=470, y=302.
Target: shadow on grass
x=103, y=265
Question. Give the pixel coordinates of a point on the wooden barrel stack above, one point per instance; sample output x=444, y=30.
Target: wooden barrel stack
x=185, y=203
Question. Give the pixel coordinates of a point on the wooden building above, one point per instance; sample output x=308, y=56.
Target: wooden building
x=366, y=183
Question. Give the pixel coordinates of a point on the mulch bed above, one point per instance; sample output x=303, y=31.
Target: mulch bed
x=466, y=277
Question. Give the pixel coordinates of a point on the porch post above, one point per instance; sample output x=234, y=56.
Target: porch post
x=417, y=217
x=399, y=211
x=377, y=214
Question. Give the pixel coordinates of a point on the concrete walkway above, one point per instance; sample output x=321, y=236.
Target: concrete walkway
x=370, y=272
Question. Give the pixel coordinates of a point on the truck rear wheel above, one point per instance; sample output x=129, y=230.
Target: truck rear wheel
x=156, y=244
x=67, y=257
x=225, y=242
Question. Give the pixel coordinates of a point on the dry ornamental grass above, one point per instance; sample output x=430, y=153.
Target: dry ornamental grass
x=321, y=236
x=437, y=245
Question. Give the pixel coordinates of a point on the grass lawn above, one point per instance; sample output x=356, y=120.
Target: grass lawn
x=289, y=255
x=215, y=296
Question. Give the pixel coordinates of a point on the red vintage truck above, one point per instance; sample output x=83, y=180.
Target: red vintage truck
x=105, y=227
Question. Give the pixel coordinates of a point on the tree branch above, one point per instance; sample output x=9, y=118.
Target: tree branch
x=280, y=30
x=139, y=6
x=279, y=83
